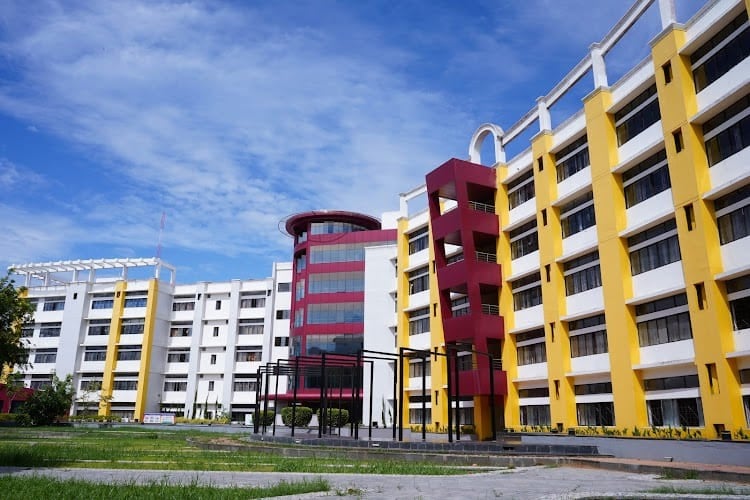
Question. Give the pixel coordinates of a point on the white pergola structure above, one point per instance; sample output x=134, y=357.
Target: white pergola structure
x=72, y=271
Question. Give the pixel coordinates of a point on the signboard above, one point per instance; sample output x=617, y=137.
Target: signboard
x=159, y=418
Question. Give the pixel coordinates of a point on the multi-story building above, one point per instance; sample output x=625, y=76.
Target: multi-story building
x=343, y=280
x=607, y=264
x=136, y=343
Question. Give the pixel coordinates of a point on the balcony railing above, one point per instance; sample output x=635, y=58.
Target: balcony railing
x=482, y=207
x=486, y=257
x=491, y=309
x=454, y=258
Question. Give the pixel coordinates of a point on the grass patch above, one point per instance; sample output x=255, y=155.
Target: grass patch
x=679, y=474
x=708, y=490
x=53, y=489
x=135, y=448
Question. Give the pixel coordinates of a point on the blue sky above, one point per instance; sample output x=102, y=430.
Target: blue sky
x=229, y=116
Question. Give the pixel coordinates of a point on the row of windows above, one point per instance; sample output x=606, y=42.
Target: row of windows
x=345, y=252
x=334, y=343
x=344, y=312
x=721, y=53
x=337, y=282
x=334, y=228
x=669, y=383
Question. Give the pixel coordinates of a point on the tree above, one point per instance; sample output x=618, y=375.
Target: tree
x=49, y=403
x=15, y=312
x=13, y=386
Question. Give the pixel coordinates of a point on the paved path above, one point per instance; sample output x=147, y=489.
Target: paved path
x=522, y=483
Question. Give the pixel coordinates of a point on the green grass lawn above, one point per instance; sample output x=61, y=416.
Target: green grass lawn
x=167, y=449
x=52, y=489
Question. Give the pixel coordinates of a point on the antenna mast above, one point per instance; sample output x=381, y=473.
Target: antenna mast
x=161, y=230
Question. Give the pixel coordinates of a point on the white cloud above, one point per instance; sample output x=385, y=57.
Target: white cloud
x=220, y=116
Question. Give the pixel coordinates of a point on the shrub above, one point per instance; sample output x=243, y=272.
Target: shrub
x=468, y=429
x=264, y=418
x=302, y=416
x=335, y=417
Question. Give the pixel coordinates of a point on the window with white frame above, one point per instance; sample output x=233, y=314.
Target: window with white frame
x=588, y=336
x=637, y=115
x=572, y=159
x=646, y=179
x=178, y=356
x=521, y=190
x=535, y=415
x=54, y=304
x=530, y=347
x=527, y=291
x=582, y=273
x=95, y=353
x=132, y=326
x=419, y=280
x=175, y=384
x=418, y=240
x=50, y=330
x=250, y=327
x=524, y=240
x=728, y=132
x=128, y=353
x=663, y=321
x=577, y=215
x=417, y=368
x=683, y=412
x=419, y=321
x=181, y=330
x=248, y=353
x=733, y=215
x=45, y=356
x=738, y=293
x=98, y=327
x=721, y=53
x=654, y=247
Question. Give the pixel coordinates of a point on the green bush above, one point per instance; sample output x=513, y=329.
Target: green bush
x=302, y=416
x=468, y=429
x=335, y=418
x=264, y=418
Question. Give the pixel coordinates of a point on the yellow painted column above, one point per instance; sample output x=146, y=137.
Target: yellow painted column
x=113, y=340
x=512, y=412
x=141, y=397
x=402, y=320
x=609, y=206
x=439, y=375
x=698, y=236
x=561, y=395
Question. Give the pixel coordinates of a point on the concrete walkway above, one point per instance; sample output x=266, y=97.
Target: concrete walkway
x=521, y=483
